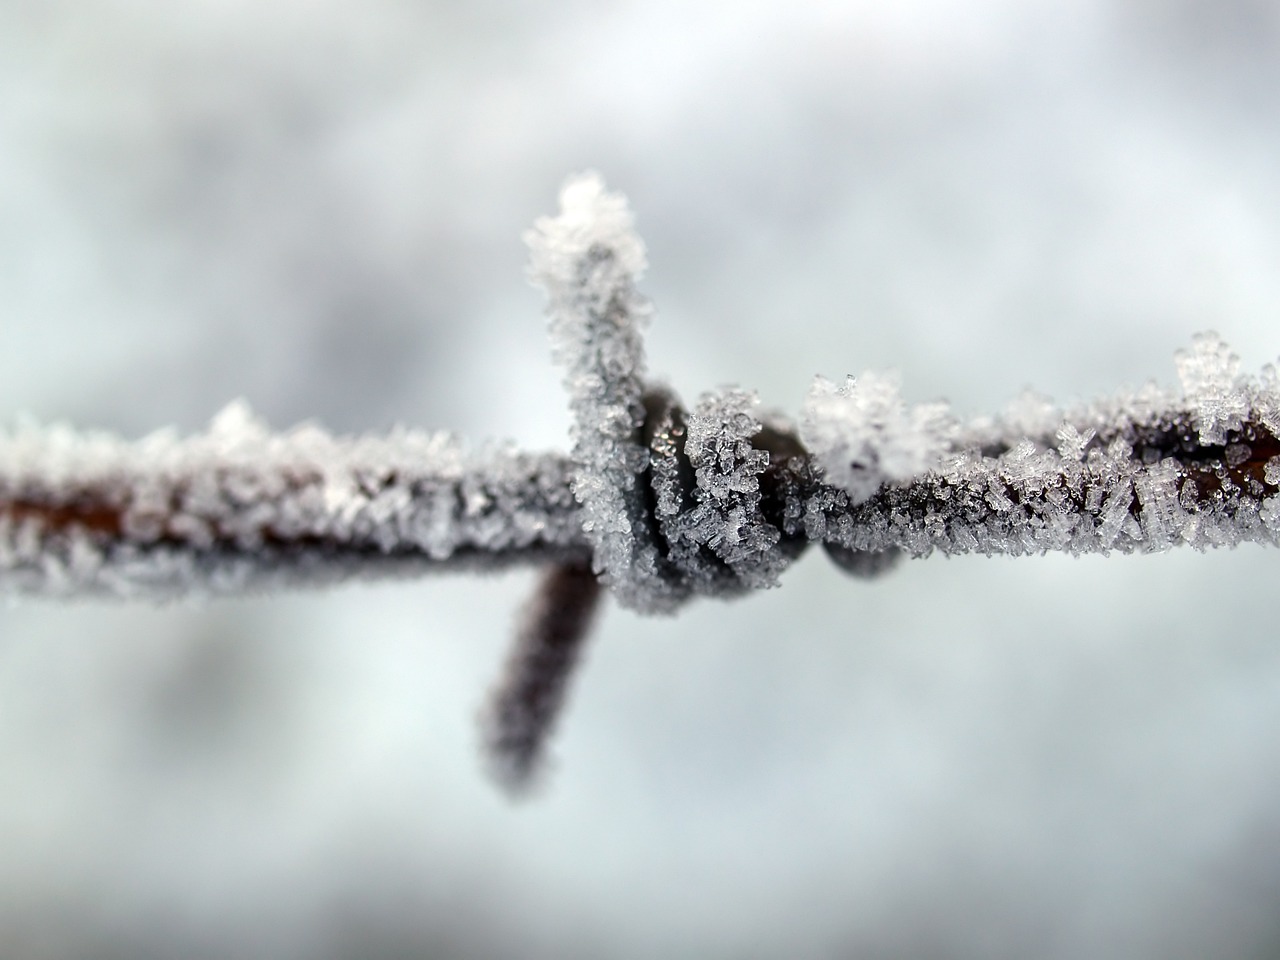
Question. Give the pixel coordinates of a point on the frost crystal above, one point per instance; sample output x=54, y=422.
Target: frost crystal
x=1271, y=473
x=1210, y=382
x=1270, y=514
x=1072, y=443
x=687, y=517
x=863, y=435
x=1267, y=402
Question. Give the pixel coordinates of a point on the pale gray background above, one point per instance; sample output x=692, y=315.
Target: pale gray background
x=317, y=206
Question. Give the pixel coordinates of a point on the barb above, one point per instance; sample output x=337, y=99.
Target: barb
x=523, y=709
x=588, y=260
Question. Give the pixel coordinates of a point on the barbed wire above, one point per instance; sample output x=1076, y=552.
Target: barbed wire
x=656, y=502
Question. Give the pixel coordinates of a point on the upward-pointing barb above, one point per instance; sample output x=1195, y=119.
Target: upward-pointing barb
x=588, y=259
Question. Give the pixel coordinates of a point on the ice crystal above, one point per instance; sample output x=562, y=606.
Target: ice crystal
x=1209, y=372
x=1072, y=443
x=1271, y=473
x=863, y=435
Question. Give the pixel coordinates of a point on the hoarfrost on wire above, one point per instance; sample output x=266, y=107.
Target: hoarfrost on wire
x=863, y=435
x=1100, y=477
x=726, y=517
x=587, y=259
x=665, y=504
x=240, y=506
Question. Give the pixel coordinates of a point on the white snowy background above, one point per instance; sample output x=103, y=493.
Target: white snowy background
x=318, y=206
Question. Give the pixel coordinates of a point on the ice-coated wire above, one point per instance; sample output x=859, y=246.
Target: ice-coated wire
x=239, y=508
x=664, y=503
x=655, y=502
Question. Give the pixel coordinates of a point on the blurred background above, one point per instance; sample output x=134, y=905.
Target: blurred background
x=317, y=206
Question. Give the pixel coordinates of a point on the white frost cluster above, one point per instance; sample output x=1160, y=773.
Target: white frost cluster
x=587, y=259
x=863, y=435
x=722, y=542
x=1211, y=383
x=239, y=507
